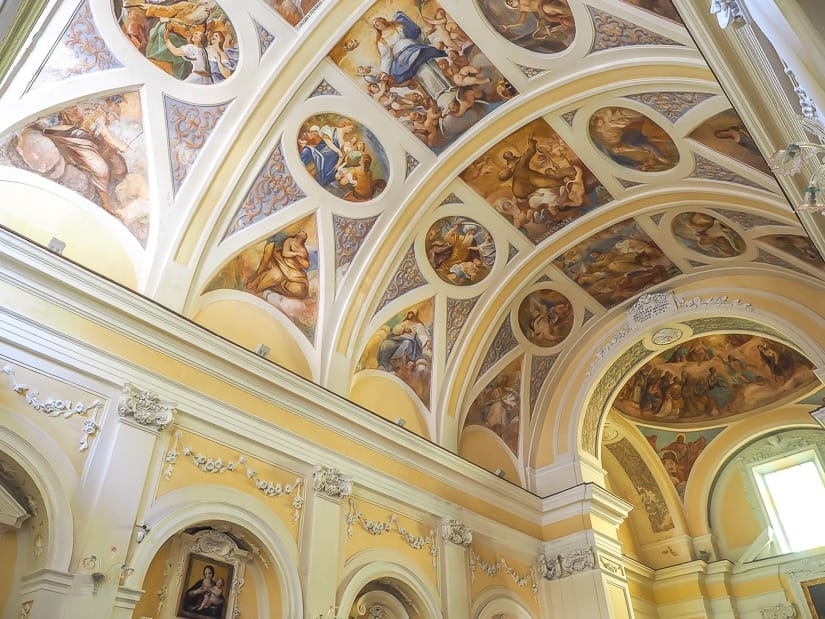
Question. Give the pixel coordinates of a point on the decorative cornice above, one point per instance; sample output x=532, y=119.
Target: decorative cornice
x=331, y=482
x=454, y=532
x=213, y=466
x=146, y=408
x=567, y=563
x=55, y=407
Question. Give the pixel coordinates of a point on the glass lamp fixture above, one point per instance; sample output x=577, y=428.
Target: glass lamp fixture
x=789, y=161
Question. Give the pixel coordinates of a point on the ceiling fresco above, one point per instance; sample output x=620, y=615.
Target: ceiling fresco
x=440, y=202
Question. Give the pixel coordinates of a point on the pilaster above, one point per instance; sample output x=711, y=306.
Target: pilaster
x=456, y=538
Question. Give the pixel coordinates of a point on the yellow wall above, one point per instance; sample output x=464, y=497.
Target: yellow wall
x=738, y=526
x=482, y=447
x=153, y=583
x=382, y=395
x=8, y=552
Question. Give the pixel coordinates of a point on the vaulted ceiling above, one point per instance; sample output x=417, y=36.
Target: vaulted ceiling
x=433, y=209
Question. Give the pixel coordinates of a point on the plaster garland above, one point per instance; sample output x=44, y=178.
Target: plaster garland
x=145, y=407
x=494, y=569
x=377, y=527
x=653, y=305
x=214, y=466
x=54, y=407
x=454, y=532
x=332, y=482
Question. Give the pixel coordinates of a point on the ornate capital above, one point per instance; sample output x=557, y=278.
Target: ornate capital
x=456, y=533
x=145, y=407
x=567, y=563
x=331, y=482
x=728, y=13
x=785, y=610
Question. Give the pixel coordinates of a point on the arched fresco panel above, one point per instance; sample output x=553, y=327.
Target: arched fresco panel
x=403, y=347
x=282, y=270
x=343, y=156
x=95, y=148
x=799, y=247
x=498, y=406
x=192, y=41
x=714, y=377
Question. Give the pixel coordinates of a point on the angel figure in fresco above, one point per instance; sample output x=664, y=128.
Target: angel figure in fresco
x=283, y=269
x=550, y=15
x=407, y=342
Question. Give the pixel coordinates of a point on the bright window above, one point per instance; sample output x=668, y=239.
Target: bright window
x=793, y=492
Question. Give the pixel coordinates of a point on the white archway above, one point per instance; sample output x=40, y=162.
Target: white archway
x=497, y=601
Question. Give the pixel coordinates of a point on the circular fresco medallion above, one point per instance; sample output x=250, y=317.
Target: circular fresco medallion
x=632, y=140
x=544, y=26
x=192, y=41
x=343, y=156
x=707, y=235
x=460, y=250
x=545, y=317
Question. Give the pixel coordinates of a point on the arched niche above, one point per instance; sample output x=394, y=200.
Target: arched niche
x=271, y=559
x=391, y=573
x=498, y=603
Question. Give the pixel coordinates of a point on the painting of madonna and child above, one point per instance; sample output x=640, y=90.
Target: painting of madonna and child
x=417, y=63
x=403, y=347
x=535, y=181
x=205, y=589
x=344, y=157
x=282, y=270
x=715, y=377
x=192, y=40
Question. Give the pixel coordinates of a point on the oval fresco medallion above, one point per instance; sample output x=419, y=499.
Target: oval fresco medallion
x=544, y=26
x=707, y=235
x=714, y=377
x=343, y=156
x=632, y=140
x=192, y=40
x=460, y=250
x=545, y=317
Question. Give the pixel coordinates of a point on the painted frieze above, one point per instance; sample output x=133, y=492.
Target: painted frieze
x=417, y=63
x=282, y=270
x=191, y=40
x=714, y=377
x=534, y=180
x=632, y=140
x=615, y=264
x=344, y=157
x=460, y=250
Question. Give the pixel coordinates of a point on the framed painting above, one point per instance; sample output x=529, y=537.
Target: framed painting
x=815, y=596
x=205, y=589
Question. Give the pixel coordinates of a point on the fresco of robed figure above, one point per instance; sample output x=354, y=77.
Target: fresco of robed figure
x=344, y=157
x=498, y=406
x=714, y=377
x=545, y=317
x=725, y=133
x=544, y=26
x=632, y=140
x=460, y=250
x=417, y=63
x=192, y=40
x=535, y=181
x=707, y=235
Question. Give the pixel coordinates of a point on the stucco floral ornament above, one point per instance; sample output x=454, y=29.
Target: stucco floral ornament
x=145, y=407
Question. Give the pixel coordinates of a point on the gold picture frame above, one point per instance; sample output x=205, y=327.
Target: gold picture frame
x=814, y=591
x=204, y=595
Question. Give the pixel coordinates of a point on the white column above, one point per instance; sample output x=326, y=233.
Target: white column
x=456, y=589
x=321, y=559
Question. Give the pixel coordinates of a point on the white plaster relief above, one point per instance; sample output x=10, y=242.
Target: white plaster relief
x=55, y=407
x=728, y=13
x=567, y=563
x=454, y=532
x=779, y=611
x=145, y=407
x=331, y=482
x=493, y=569
x=378, y=527
x=217, y=466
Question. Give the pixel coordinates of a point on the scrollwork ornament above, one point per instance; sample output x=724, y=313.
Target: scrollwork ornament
x=454, y=532
x=779, y=611
x=567, y=563
x=331, y=482
x=494, y=569
x=146, y=408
